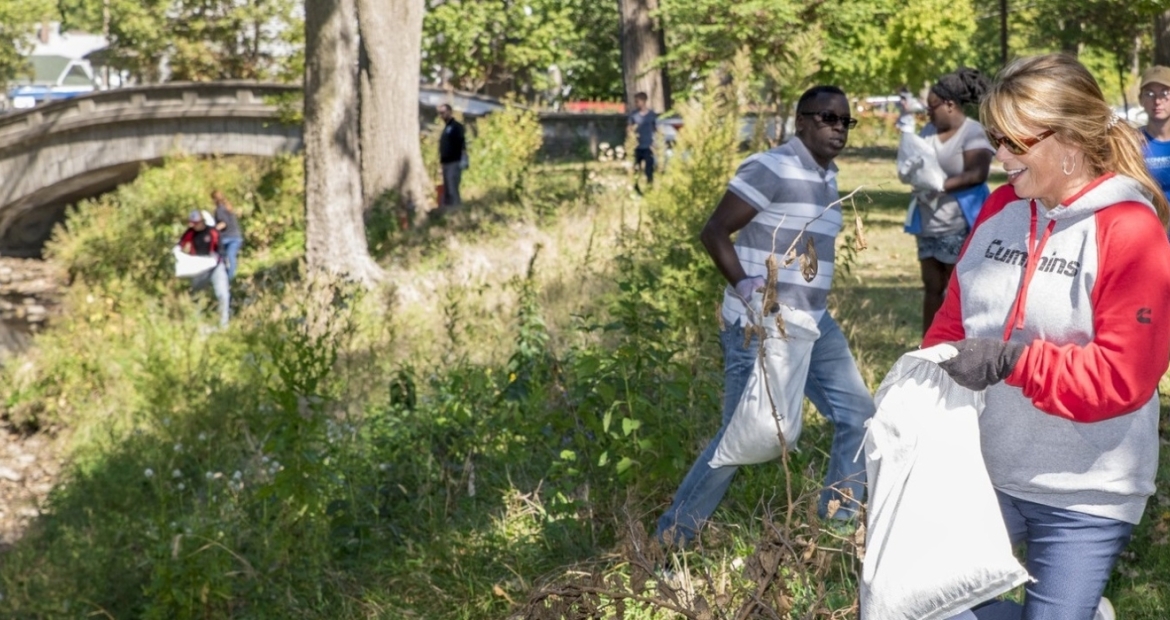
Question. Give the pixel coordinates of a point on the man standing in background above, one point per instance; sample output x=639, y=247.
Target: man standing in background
x=1155, y=97
x=452, y=144
x=644, y=122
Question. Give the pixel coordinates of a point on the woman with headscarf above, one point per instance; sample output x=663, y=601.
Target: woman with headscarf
x=1060, y=310
x=942, y=220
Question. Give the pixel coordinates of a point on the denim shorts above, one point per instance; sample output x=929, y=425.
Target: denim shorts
x=944, y=249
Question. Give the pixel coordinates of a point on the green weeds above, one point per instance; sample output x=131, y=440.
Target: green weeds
x=464, y=445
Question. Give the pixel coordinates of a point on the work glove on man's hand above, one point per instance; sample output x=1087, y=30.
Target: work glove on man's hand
x=745, y=287
x=982, y=362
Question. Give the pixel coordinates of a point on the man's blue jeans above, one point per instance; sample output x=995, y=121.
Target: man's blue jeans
x=835, y=388
x=230, y=250
x=218, y=279
x=1070, y=554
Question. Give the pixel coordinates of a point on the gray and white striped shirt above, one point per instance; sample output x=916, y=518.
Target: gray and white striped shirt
x=789, y=189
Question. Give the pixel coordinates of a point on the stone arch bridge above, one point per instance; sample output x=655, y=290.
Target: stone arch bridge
x=57, y=154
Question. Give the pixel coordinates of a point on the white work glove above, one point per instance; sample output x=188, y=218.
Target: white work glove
x=745, y=287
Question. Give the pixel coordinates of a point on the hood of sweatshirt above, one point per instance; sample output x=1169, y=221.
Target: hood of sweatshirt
x=1108, y=189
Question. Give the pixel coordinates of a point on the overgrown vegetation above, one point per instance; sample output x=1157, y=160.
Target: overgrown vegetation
x=474, y=443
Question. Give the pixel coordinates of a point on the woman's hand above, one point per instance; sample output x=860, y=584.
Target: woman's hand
x=982, y=362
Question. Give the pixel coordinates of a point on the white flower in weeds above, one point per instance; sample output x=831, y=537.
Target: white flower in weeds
x=149, y=473
x=178, y=473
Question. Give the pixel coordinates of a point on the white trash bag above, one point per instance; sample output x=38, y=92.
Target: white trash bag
x=750, y=437
x=918, y=164
x=190, y=265
x=936, y=543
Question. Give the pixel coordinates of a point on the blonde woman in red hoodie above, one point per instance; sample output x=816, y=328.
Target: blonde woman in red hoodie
x=1060, y=308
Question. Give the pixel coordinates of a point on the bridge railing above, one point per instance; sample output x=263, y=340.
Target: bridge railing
x=173, y=99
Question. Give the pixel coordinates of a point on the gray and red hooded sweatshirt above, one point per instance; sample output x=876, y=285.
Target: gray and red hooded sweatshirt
x=1086, y=286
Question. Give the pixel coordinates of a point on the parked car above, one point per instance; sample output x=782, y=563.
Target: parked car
x=668, y=126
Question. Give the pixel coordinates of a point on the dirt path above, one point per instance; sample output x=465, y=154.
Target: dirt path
x=29, y=467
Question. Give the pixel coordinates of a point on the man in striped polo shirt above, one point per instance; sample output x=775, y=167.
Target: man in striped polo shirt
x=783, y=190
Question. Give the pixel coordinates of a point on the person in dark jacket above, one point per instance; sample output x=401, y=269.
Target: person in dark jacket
x=202, y=240
x=452, y=144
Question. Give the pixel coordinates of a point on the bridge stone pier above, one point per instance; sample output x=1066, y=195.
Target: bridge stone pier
x=56, y=154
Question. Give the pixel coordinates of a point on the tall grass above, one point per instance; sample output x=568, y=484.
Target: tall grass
x=466, y=444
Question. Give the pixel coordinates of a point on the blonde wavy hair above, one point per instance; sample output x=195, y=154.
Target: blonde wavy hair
x=1055, y=91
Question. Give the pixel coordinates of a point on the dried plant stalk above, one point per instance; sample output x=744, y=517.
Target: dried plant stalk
x=859, y=238
x=770, y=304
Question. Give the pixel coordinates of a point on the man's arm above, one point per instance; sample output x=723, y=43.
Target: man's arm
x=186, y=242
x=731, y=215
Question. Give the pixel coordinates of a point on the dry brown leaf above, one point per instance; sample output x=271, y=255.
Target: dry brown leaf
x=809, y=551
x=833, y=506
x=859, y=238
x=808, y=261
x=498, y=591
x=790, y=257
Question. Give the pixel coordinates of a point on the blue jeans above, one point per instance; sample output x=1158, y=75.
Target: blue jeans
x=229, y=248
x=837, y=390
x=645, y=158
x=452, y=174
x=1070, y=554
x=218, y=279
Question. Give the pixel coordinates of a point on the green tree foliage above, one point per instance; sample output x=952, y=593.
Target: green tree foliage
x=198, y=40
x=501, y=46
x=862, y=45
x=17, y=23
x=497, y=45
x=876, y=45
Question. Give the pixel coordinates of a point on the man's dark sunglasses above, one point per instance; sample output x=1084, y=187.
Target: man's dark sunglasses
x=830, y=119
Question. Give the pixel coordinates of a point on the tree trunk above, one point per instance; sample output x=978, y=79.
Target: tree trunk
x=1162, y=39
x=335, y=234
x=641, y=49
x=391, y=40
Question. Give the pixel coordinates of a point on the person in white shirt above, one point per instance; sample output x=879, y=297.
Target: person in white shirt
x=944, y=219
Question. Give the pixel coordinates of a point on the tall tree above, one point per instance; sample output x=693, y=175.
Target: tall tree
x=498, y=46
x=17, y=25
x=1162, y=38
x=335, y=236
x=391, y=48
x=642, y=44
x=877, y=45
x=205, y=40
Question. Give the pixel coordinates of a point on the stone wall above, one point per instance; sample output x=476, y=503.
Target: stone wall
x=30, y=295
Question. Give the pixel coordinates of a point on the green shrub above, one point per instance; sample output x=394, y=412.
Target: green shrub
x=502, y=149
x=128, y=234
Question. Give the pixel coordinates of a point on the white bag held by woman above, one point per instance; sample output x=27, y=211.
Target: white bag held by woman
x=936, y=543
x=918, y=164
x=777, y=380
x=190, y=265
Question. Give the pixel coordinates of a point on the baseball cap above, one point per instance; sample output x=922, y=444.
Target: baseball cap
x=1156, y=73
x=195, y=217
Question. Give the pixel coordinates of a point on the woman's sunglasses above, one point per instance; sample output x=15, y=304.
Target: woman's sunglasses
x=1018, y=147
